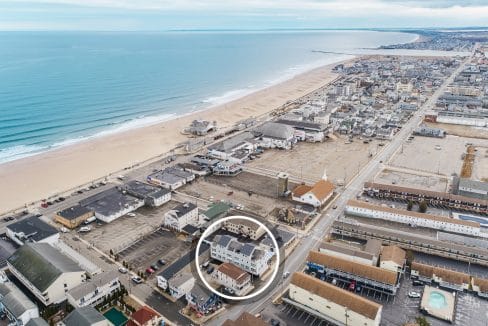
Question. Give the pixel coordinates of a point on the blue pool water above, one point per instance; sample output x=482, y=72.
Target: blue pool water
x=437, y=300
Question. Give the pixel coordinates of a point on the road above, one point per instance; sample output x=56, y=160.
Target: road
x=297, y=258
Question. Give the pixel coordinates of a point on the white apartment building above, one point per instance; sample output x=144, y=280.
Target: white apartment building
x=180, y=284
x=180, y=216
x=45, y=272
x=16, y=306
x=247, y=256
x=93, y=291
x=244, y=227
x=415, y=219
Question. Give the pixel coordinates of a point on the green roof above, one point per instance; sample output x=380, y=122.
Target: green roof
x=116, y=317
x=42, y=264
x=216, y=210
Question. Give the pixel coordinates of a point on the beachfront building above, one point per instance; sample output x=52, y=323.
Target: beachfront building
x=235, y=149
x=393, y=258
x=316, y=195
x=446, y=278
x=244, y=227
x=331, y=303
x=249, y=257
x=202, y=127
x=16, y=306
x=85, y=316
x=153, y=196
x=73, y=216
x=111, y=204
x=275, y=135
x=32, y=229
x=94, y=290
x=363, y=209
x=171, y=178
x=306, y=130
x=180, y=284
x=369, y=277
x=234, y=279
x=45, y=272
x=180, y=216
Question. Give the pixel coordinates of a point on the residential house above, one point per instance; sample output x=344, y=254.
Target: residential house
x=234, y=279
x=94, y=290
x=180, y=284
x=145, y=316
x=180, y=216
x=85, y=316
x=16, y=306
x=244, y=227
x=202, y=300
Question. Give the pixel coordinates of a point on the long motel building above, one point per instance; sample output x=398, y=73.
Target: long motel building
x=414, y=219
x=369, y=277
x=331, y=303
x=446, y=278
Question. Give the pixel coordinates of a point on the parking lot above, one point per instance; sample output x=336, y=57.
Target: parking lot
x=160, y=244
x=125, y=230
x=445, y=160
x=410, y=180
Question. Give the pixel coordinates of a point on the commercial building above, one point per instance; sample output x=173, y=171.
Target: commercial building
x=393, y=258
x=244, y=227
x=16, y=306
x=202, y=301
x=85, y=316
x=367, y=276
x=473, y=188
x=446, y=278
x=216, y=210
x=32, y=229
x=432, y=198
x=235, y=149
x=45, y=272
x=331, y=303
x=234, y=279
x=316, y=195
x=247, y=256
x=414, y=219
x=111, y=204
x=283, y=237
x=429, y=132
x=180, y=216
x=202, y=127
x=94, y=290
x=171, y=178
x=180, y=284
x=73, y=216
x=180, y=266
x=275, y=135
x=306, y=130
x=152, y=196
x=349, y=253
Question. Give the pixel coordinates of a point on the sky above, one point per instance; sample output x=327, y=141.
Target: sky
x=162, y=15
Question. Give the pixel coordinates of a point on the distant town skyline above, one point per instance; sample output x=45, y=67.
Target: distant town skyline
x=162, y=15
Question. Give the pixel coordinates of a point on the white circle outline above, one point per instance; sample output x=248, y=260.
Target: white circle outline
x=205, y=234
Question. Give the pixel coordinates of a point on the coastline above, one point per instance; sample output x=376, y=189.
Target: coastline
x=56, y=171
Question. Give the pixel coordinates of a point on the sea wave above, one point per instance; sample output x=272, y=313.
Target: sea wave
x=21, y=151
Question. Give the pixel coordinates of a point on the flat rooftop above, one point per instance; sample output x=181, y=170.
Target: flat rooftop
x=74, y=212
x=143, y=190
x=109, y=202
x=33, y=229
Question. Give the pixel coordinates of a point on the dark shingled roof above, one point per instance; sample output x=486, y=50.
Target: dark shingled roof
x=33, y=228
x=37, y=322
x=73, y=212
x=85, y=316
x=41, y=264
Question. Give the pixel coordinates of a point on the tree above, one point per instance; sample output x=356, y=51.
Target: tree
x=422, y=321
x=423, y=206
x=409, y=205
x=111, y=252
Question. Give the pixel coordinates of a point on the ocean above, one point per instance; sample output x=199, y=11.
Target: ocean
x=58, y=88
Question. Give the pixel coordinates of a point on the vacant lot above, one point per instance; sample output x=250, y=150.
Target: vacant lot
x=307, y=161
x=459, y=130
x=400, y=178
x=125, y=230
x=445, y=160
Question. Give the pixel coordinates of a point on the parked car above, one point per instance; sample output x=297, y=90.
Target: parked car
x=417, y=283
x=123, y=270
x=154, y=267
x=136, y=279
x=63, y=229
x=149, y=270
x=61, y=198
x=352, y=286
x=286, y=274
x=413, y=294
x=334, y=281
x=162, y=262
x=210, y=270
x=131, y=214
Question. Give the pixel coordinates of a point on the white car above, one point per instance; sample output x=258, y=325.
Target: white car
x=131, y=214
x=123, y=270
x=413, y=294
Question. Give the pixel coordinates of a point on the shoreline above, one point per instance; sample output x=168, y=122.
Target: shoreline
x=61, y=169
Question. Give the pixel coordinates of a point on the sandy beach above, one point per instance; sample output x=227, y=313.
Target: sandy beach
x=27, y=180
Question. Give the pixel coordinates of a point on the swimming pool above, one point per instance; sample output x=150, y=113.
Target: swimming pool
x=437, y=300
